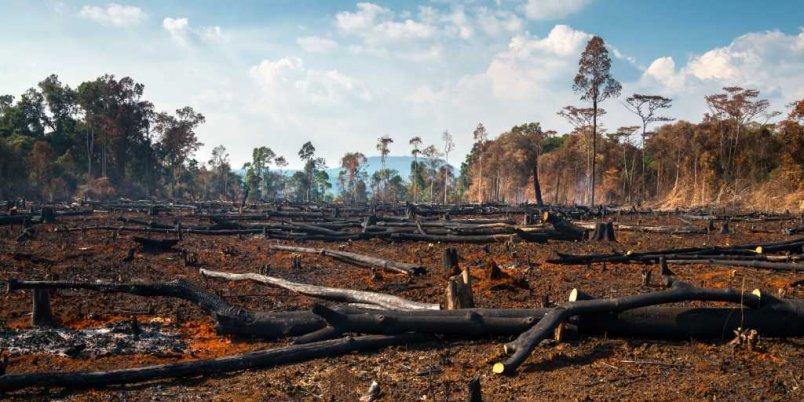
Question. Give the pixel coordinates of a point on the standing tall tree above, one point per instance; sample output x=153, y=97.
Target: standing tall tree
x=480, y=136
x=177, y=139
x=534, y=135
x=219, y=162
x=738, y=106
x=415, y=169
x=449, y=145
x=281, y=163
x=595, y=84
x=257, y=175
x=432, y=154
x=646, y=107
x=307, y=155
x=581, y=119
x=383, y=146
x=352, y=172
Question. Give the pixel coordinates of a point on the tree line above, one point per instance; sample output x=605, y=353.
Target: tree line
x=103, y=139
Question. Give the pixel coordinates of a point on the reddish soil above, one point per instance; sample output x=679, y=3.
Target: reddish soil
x=586, y=369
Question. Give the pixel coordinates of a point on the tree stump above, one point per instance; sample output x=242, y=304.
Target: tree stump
x=664, y=270
x=48, y=215
x=449, y=261
x=42, y=315
x=474, y=391
x=459, y=291
x=603, y=232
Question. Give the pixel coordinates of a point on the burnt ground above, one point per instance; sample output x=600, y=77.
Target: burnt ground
x=590, y=368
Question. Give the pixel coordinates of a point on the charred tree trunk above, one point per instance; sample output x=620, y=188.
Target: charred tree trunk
x=246, y=361
x=537, y=188
x=42, y=315
x=521, y=348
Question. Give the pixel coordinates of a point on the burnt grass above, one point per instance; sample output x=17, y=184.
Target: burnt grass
x=589, y=368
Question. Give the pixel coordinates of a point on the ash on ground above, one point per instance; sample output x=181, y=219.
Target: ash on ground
x=120, y=338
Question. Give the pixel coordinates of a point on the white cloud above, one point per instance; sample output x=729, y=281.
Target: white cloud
x=421, y=36
x=771, y=61
x=181, y=32
x=113, y=15
x=364, y=19
x=177, y=28
x=316, y=44
x=287, y=80
x=553, y=9
x=213, y=34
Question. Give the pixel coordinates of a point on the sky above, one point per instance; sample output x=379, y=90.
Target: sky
x=343, y=73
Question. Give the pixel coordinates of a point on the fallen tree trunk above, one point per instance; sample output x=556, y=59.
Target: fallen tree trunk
x=230, y=319
x=252, y=360
x=521, y=348
x=344, y=295
x=452, y=238
x=775, y=266
x=469, y=323
x=746, y=249
x=648, y=229
x=358, y=259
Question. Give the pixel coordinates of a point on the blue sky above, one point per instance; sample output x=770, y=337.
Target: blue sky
x=342, y=73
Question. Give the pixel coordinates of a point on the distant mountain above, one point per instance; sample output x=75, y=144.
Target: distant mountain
x=398, y=163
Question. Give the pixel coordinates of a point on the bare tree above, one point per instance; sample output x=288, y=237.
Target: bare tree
x=647, y=107
x=382, y=146
x=415, y=170
x=595, y=84
x=449, y=145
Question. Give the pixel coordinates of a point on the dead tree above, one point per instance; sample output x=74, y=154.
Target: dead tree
x=563, y=229
x=337, y=294
x=358, y=259
x=246, y=361
x=449, y=261
x=521, y=348
x=603, y=232
x=42, y=315
x=459, y=291
x=230, y=319
x=156, y=244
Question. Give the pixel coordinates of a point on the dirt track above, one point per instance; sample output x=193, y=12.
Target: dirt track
x=585, y=369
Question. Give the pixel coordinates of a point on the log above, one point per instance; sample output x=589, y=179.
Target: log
x=564, y=229
x=230, y=319
x=358, y=259
x=649, y=256
x=521, y=348
x=246, y=361
x=468, y=323
x=156, y=244
x=774, y=266
x=344, y=295
x=451, y=238
x=648, y=228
